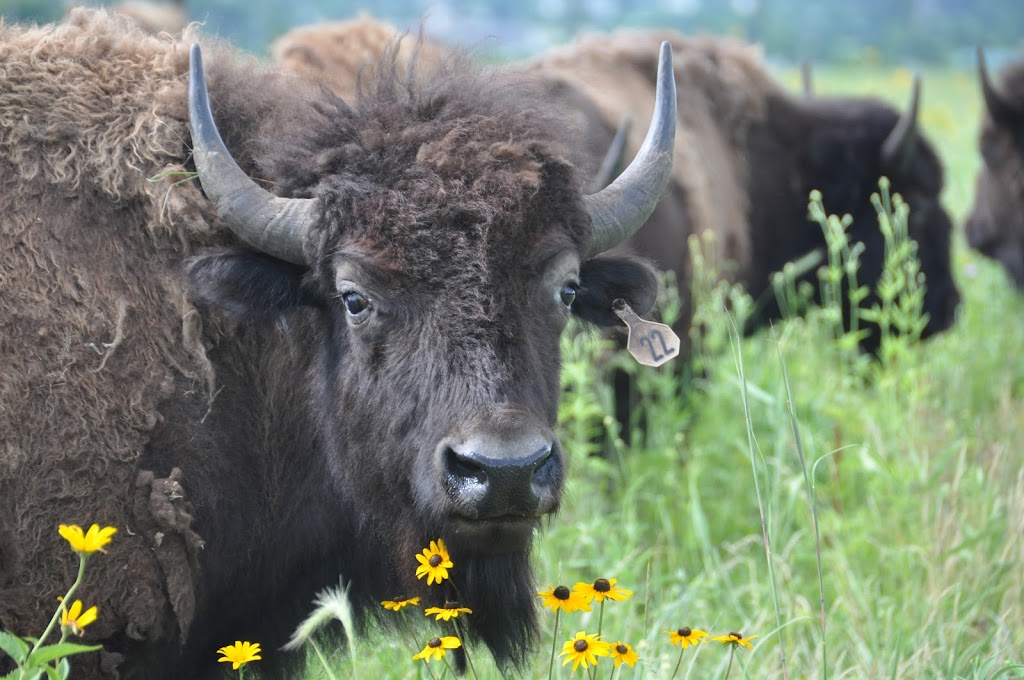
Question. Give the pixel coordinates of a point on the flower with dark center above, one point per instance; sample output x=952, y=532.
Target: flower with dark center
x=434, y=563
x=623, y=653
x=735, y=639
x=449, y=611
x=399, y=602
x=686, y=636
x=600, y=589
x=561, y=598
x=584, y=649
x=437, y=647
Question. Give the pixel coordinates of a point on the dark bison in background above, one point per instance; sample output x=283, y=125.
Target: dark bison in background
x=377, y=366
x=747, y=155
x=995, y=226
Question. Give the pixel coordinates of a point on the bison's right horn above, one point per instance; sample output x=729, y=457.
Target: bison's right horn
x=898, y=148
x=619, y=210
x=1000, y=109
x=274, y=225
x=806, y=78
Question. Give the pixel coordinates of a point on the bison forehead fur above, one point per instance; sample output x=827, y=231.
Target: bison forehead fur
x=995, y=226
x=223, y=409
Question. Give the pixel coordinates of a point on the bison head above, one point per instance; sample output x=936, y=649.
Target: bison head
x=431, y=251
x=850, y=144
x=995, y=226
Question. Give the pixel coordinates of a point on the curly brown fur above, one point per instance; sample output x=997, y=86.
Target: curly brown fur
x=256, y=444
x=995, y=226
x=336, y=54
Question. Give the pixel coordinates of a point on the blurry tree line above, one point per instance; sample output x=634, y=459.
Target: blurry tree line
x=934, y=31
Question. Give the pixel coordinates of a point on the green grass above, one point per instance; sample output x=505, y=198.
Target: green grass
x=915, y=468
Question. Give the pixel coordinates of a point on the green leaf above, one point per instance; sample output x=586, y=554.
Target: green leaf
x=59, y=651
x=14, y=646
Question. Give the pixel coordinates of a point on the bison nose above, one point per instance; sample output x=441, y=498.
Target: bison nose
x=499, y=477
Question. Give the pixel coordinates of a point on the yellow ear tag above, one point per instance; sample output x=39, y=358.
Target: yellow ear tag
x=650, y=343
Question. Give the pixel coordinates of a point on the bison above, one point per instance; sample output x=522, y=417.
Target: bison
x=748, y=154
x=340, y=343
x=995, y=226
x=154, y=17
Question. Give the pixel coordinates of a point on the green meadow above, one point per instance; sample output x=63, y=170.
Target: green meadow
x=862, y=519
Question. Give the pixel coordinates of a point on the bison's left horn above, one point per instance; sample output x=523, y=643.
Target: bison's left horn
x=274, y=225
x=898, y=148
x=619, y=210
x=1000, y=109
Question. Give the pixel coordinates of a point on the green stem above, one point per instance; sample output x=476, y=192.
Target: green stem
x=732, y=653
x=449, y=668
x=554, y=642
x=600, y=620
x=465, y=646
x=67, y=598
x=430, y=672
x=612, y=676
x=241, y=672
x=680, y=661
x=323, y=660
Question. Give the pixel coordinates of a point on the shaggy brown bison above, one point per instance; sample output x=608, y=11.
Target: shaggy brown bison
x=336, y=53
x=995, y=226
x=343, y=344
x=748, y=154
x=154, y=17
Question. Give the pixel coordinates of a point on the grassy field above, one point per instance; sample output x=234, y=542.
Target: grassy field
x=913, y=469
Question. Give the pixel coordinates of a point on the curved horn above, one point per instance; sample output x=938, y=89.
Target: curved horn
x=1000, y=109
x=612, y=162
x=898, y=148
x=619, y=210
x=274, y=225
x=806, y=78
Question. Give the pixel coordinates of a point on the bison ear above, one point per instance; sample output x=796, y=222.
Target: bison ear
x=247, y=283
x=606, y=278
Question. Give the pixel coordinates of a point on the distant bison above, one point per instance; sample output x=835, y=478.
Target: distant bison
x=336, y=53
x=748, y=154
x=996, y=223
x=268, y=382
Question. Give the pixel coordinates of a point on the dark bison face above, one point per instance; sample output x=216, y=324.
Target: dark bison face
x=856, y=141
x=444, y=245
x=995, y=226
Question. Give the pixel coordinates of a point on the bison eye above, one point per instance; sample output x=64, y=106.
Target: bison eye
x=568, y=294
x=356, y=304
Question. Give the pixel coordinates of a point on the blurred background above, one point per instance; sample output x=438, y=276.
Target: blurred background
x=838, y=31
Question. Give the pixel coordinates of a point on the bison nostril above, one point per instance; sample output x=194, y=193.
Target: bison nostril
x=464, y=467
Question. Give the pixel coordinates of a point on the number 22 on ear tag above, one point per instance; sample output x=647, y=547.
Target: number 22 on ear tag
x=650, y=343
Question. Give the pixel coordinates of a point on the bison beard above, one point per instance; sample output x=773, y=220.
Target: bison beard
x=251, y=434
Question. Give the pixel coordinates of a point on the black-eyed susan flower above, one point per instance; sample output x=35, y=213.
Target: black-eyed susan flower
x=240, y=653
x=623, y=653
x=449, y=611
x=560, y=598
x=399, y=602
x=434, y=562
x=437, y=648
x=686, y=637
x=73, y=619
x=584, y=649
x=600, y=589
x=87, y=542
x=735, y=639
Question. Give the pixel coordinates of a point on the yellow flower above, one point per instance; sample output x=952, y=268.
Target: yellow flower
x=240, y=653
x=75, y=618
x=600, y=589
x=434, y=562
x=437, y=648
x=399, y=602
x=560, y=597
x=449, y=611
x=87, y=542
x=584, y=649
x=623, y=653
x=686, y=637
x=735, y=639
